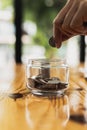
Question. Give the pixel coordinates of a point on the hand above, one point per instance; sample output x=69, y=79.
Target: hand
x=71, y=21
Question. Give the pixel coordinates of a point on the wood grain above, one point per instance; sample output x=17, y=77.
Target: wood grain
x=21, y=110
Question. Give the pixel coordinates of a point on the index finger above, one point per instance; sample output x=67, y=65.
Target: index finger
x=57, y=24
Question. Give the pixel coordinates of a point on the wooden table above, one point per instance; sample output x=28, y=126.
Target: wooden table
x=20, y=110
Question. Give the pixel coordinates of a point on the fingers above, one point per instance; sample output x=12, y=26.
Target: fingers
x=66, y=26
x=79, y=20
x=57, y=36
x=57, y=24
x=71, y=21
x=75, y=19
x=69, y=16
x=60, y=17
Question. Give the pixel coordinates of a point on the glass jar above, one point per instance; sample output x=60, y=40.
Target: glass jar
x=47, y=76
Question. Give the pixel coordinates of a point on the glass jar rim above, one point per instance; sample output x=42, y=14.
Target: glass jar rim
x=45, y=61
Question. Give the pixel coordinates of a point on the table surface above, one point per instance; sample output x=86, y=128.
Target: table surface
x=20, y=110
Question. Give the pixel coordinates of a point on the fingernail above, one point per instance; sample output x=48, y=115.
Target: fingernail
x=52, y=42
x=58, y=45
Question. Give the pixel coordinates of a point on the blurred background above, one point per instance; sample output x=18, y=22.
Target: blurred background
x=25, y=29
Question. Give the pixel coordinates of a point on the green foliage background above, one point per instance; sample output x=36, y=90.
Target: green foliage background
x=6, y=3
x=42, y=12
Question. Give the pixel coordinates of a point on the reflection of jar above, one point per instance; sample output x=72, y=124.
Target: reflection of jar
x=47, y=77
x=62, y=110
x=53, y=113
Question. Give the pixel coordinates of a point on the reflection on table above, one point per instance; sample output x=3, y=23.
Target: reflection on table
x=19, y=109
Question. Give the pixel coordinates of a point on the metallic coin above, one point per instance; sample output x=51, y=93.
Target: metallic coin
x=31, y=82
x=15, y=95
x=52, y=42
x=53, y=83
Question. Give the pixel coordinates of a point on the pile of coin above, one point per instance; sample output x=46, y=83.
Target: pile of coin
x=41, y=83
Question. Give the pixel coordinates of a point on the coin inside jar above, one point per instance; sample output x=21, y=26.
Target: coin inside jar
x=46, y=77
x=52, y=83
